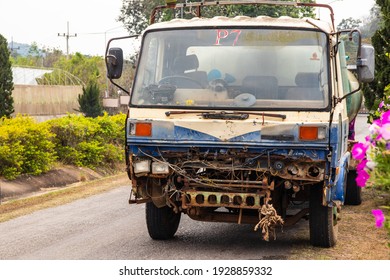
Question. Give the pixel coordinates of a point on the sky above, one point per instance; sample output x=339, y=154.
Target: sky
x=95, y=21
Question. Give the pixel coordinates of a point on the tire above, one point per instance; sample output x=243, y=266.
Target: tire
x=322, y=221
x=162, y=223
x=353, y=194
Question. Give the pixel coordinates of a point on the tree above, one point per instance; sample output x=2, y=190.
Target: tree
x=349, y=23
x=374, y=91
x=89, y=101
x=135, y=14
x=371, y=23
x=6, y=83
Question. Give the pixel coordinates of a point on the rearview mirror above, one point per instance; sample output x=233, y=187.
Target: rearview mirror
x=366, y=64
x=114, y=63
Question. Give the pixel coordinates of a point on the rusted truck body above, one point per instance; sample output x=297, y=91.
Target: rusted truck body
x=242, y=120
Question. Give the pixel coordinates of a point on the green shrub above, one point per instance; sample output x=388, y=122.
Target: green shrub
x=119, y=121
x=91, y=153
x=69, y=132
x=26, y=147
x=90, y=142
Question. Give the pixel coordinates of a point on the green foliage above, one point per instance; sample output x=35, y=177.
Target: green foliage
x=261, y=10
x=90, y=142
x=25, y=147
x=87, y=69
x=89, y=101
x=374, y=91
x=349, y=23
x=6, y=84
x=135, y=14
x=28, y=147
x=382, y=105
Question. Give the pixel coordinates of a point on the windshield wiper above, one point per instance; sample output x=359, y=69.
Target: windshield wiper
x=226, y=114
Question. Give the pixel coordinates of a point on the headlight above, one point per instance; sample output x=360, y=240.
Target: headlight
x=141, y=166
x=160, y=168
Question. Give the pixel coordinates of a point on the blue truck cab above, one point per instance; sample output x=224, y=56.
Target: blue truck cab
x=242, y=120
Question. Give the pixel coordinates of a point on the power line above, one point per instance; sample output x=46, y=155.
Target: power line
x=67, y=36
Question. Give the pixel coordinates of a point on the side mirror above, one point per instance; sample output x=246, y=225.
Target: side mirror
x=114, y=63
x=366, y=64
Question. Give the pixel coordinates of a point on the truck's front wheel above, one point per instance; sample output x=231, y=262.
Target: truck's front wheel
x=162, y=223
x=323, y=220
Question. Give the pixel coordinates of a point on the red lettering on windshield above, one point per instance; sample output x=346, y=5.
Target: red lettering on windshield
x=224, y=34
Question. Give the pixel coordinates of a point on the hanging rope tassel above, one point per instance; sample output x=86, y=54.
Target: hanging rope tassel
x=270, y=219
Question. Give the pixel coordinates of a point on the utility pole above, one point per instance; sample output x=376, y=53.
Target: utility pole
x=67, y=36
x=11, y=49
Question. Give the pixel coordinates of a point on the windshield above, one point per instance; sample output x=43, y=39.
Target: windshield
x=229, y=68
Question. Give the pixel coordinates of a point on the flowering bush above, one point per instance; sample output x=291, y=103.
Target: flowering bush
x=374, y=156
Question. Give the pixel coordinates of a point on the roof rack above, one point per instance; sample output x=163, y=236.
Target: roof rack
x=172, y=4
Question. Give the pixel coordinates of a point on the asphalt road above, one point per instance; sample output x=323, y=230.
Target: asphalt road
x=105, y=227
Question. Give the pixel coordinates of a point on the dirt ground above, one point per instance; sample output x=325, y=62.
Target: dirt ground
x=27, y=185
x=358, y=238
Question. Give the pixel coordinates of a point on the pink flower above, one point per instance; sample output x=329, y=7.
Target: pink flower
x=362, y=178
x=379, y=217
x=385, y=117
x=381, y=104
x=384, y=131
x=361, y=165
x=374, y=128
x=359, y=150
x=369, y=139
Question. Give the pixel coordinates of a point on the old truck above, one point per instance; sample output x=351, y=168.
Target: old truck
x=242, y=120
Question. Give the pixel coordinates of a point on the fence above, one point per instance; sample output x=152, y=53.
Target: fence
x=46, y=101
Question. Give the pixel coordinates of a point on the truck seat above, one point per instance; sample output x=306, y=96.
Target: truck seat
x=308, y=87
x=262, y=87
x=188, y=66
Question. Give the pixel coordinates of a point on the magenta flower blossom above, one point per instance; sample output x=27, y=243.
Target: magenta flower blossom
x=381, y=104
x=369, y=140
x=384, y=131
x=361, y=165
x=385, y=118
x=359, y=150
x=379, y=217
x=362, y=178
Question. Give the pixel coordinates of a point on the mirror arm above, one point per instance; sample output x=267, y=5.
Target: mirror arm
x=113, y=58
x=339, y=99
x=115, y=84
x=358, y=63
x=359, y=51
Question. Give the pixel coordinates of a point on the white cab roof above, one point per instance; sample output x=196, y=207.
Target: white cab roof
x=244, y=21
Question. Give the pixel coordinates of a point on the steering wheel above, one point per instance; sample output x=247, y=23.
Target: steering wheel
x=181, y=82
x=218, y=85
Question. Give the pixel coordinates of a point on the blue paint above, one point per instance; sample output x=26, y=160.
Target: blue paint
x=339, y=189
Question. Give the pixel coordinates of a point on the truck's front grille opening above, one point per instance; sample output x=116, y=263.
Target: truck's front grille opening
x=193, y=198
